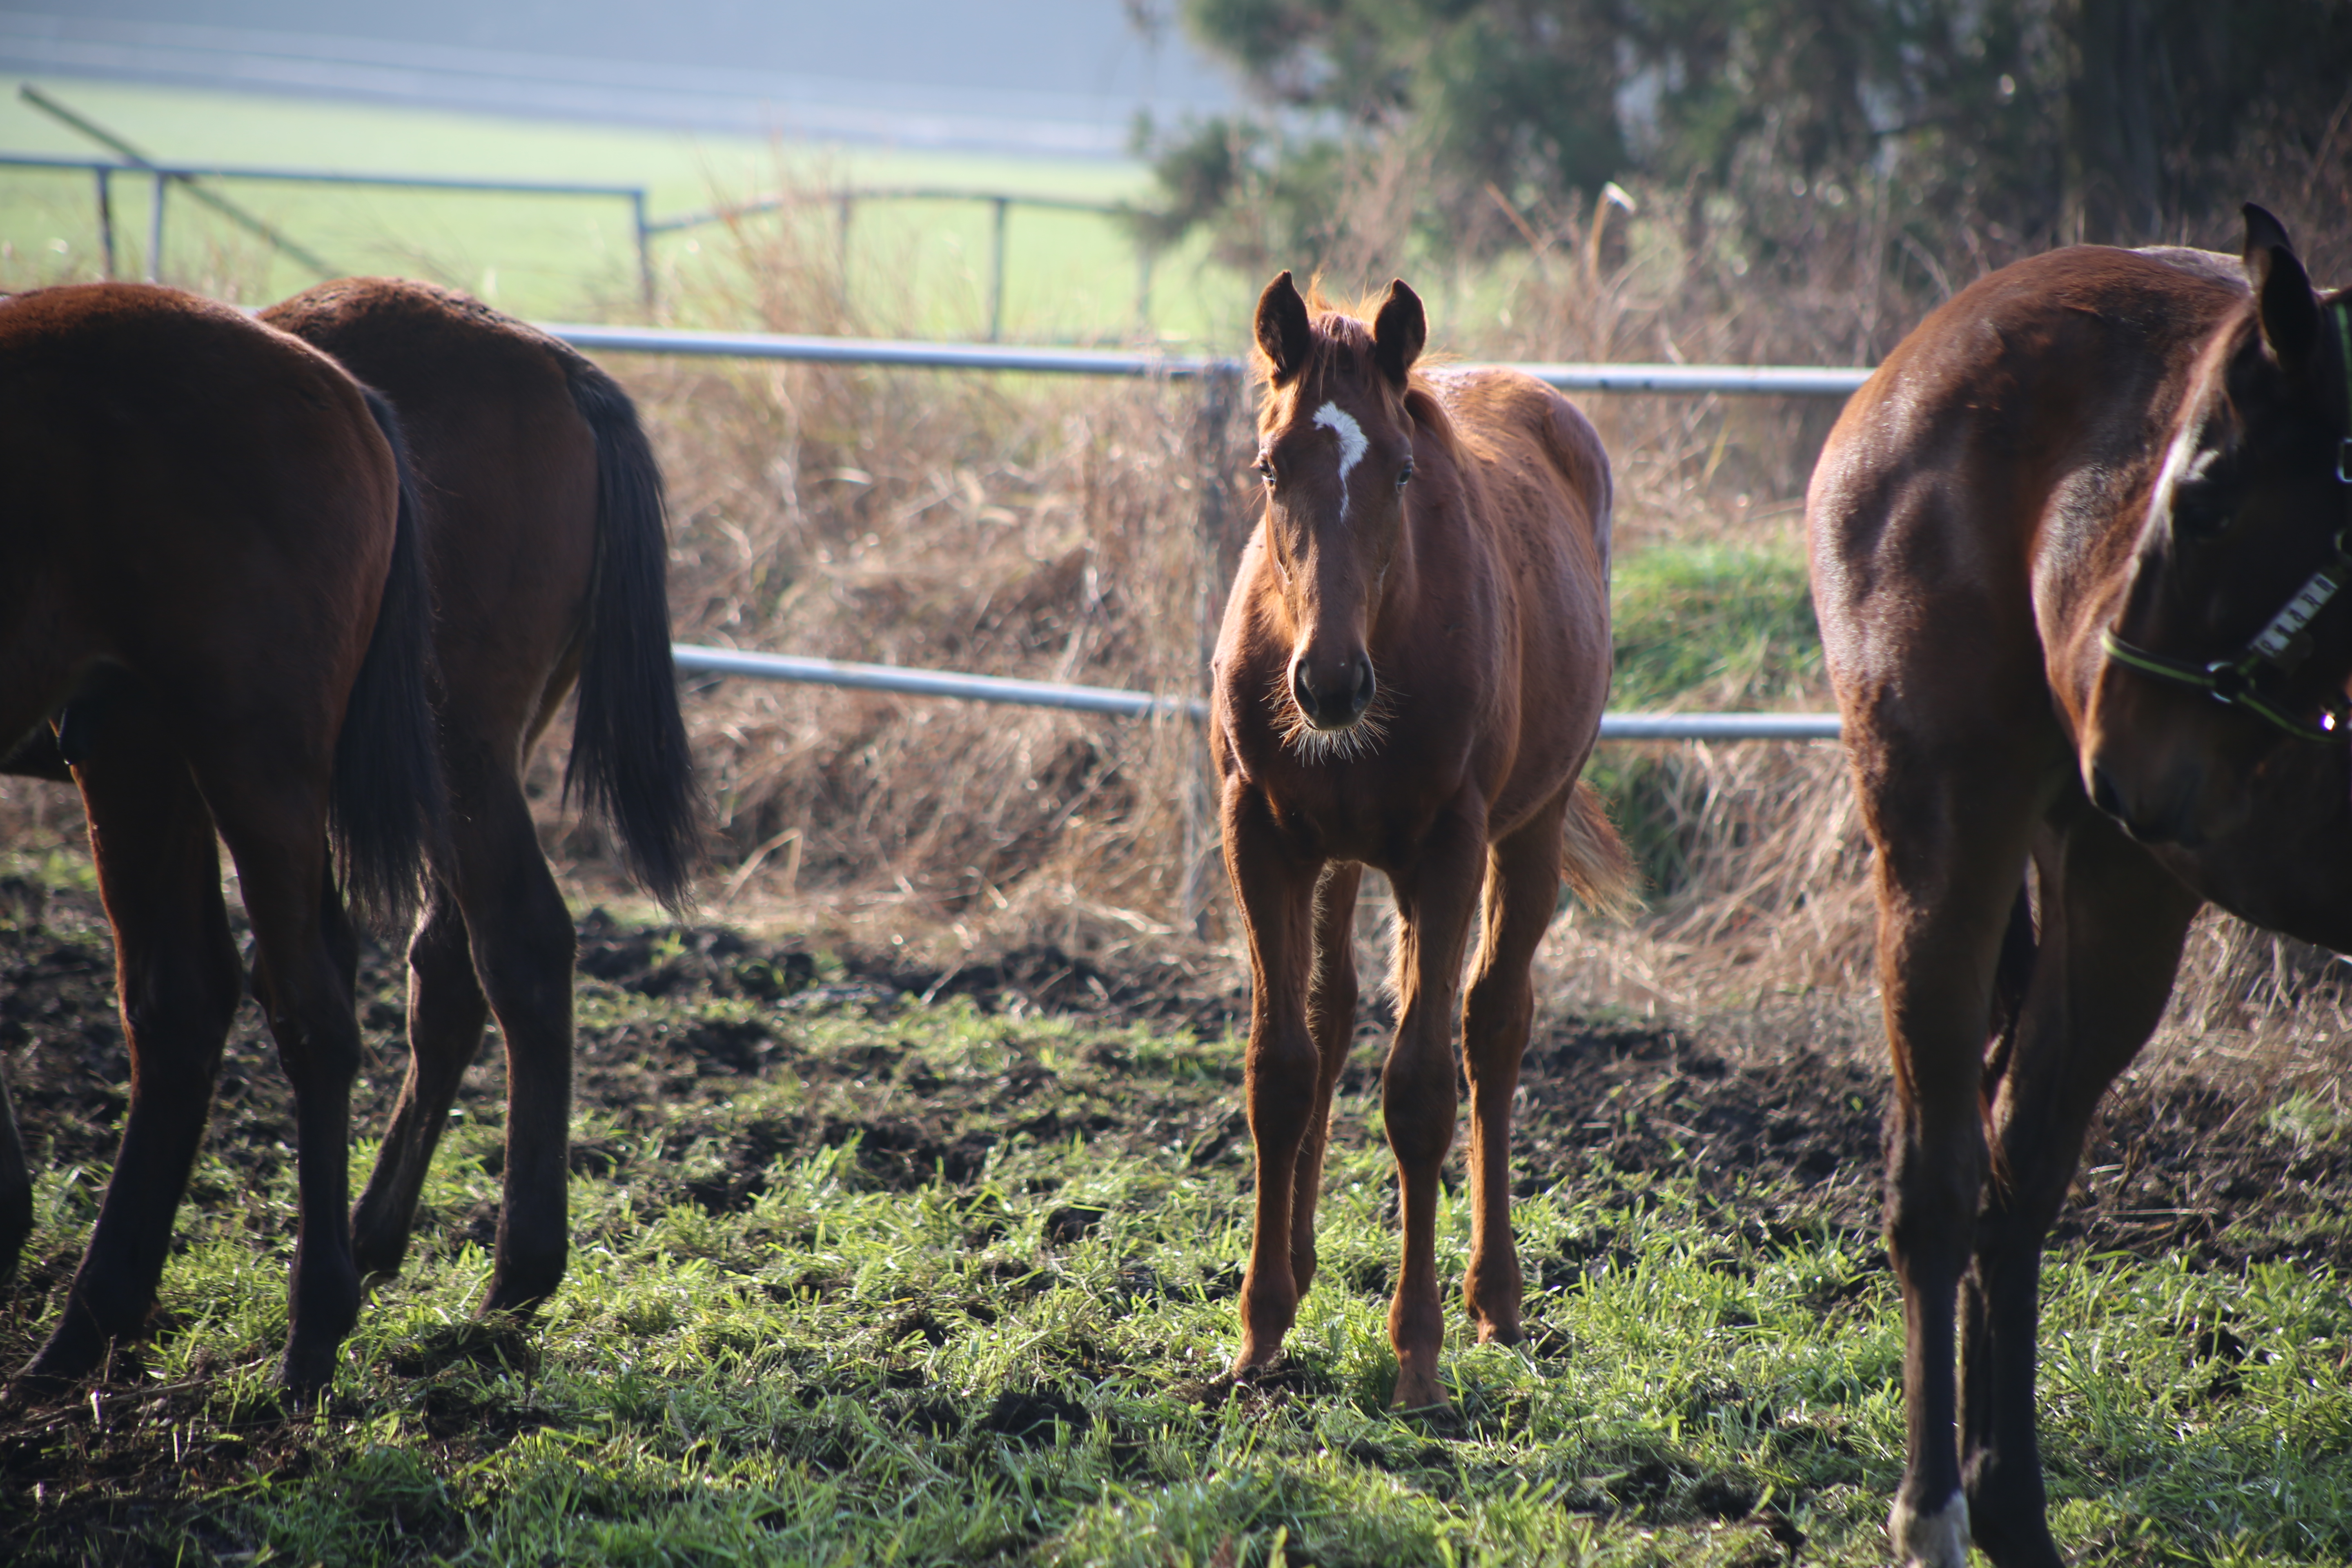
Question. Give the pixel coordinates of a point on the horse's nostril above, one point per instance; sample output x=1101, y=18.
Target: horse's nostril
x=1365, y=686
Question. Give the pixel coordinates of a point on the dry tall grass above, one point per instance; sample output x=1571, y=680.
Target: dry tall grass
x=1055, y=529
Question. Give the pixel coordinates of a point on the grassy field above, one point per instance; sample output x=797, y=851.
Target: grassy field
x=917, y=267
x=876, y=1264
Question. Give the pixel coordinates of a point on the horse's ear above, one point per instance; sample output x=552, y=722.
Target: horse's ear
x=2283, y=302
x=1284, y=332
x=1399, y=331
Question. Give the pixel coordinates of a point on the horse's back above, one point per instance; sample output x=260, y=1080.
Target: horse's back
x=1982, y=475
x=1541, y=457
x=1542, y=494
x=184, y=492
x=510, y=466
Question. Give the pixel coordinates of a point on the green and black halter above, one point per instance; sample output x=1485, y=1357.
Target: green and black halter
x=2252, y=677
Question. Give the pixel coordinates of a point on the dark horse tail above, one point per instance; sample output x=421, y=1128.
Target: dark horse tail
x=629, y=758
x=388, y=807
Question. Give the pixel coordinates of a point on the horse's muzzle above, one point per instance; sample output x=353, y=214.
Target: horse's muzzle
x=2144, y=820
x=1339, y=699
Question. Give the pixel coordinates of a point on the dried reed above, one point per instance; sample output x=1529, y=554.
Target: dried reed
x=1055, y=531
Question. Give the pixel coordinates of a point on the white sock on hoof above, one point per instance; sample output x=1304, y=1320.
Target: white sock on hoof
x=1937, y=1540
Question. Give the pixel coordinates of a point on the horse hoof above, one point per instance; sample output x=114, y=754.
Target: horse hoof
x=32, y=1388
x=1497, y=1332
x=1417, y=1391
x=1937, y=1539
x=502, y=1301
x=377, y=1264
x=1253, y=1363
x=72, y=1354
x=307, y=1369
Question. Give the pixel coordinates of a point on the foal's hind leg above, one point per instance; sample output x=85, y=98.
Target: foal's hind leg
x=273, y=819
x=15, y=1189
x=447, y=1011
x=497, y=936
x=179, y=982
x=1522, y=894
x=523, y=948
x=2112, y=926
x=1331, y=1016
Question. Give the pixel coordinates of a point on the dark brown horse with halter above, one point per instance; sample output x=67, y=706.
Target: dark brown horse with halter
x=1411, y=676
x=2075, y=550
x=209, y=560
x=543, y=533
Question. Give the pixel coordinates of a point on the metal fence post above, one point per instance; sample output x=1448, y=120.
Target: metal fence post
x=840, y=243
x=106, y=218
x=996, y=273
x=644, y=248
x=1216, y=552
x=155, y=231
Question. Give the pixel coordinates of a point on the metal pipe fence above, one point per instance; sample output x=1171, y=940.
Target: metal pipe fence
x=1002, y=202
x=1220, y=375
x=1762, y=380
x=162, y=176
x=697, y=659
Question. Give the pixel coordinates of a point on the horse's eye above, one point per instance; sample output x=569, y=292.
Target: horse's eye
x=2200, y=509
x=1403, y=474
x=1265, y=465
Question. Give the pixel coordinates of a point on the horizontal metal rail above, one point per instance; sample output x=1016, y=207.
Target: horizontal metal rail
x=694, y=659
x=1762, y=380
x=882, y=352
x=1799, y=381
x=319, y=177
x=757, y=205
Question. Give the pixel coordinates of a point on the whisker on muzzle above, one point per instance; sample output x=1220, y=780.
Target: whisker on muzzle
x=1358, y=740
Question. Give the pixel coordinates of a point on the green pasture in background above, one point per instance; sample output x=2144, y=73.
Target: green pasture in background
x=917, y=267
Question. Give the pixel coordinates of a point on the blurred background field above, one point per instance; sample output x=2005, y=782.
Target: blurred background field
x=1069, y=276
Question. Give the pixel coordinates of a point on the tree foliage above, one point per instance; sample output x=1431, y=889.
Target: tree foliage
x=2027, y=120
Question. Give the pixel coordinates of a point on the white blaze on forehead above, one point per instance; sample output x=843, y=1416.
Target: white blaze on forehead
x=1352, y=445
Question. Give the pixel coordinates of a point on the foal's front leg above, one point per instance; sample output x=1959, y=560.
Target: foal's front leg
x=1275, y=891
x=1331, y=1019
x=1436, y=899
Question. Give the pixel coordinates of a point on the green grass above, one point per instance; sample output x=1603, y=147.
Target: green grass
x=1699, y=627
x=921, y=266
x=814, y=1368
x=1711, y=621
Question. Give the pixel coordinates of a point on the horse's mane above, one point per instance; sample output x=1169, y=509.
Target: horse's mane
x=1342, y=345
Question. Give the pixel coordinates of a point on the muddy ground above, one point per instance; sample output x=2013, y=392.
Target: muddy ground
x=1776, y=1138
x=2179, y=1165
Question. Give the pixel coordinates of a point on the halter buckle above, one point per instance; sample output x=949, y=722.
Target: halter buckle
x=2344, y=460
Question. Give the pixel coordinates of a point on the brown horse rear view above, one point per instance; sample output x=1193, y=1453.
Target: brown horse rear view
x=545, y=534
x=542, y=521
x=1411, y=676
x=207, y=558
x=2067, y=513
